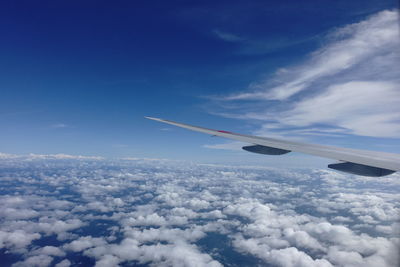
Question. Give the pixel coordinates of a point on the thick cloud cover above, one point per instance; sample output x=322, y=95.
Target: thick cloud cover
x=65, y=211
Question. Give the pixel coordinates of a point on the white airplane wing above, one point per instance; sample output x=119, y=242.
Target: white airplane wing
x=355, y=161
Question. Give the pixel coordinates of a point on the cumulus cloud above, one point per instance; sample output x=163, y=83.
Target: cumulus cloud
x=39, y=261
x=170, y=213
x=83, y=243
x=51, y=251
x=12, y=213
x=63, y=263
x=17, y=239
x=54, y=226
x=181, y=254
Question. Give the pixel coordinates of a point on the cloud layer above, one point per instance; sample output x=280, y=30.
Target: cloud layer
x=170, y=213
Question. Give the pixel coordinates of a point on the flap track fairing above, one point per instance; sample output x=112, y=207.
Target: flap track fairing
x=265, y=150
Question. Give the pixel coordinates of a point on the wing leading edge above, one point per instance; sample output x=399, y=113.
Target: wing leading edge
x=360, y=162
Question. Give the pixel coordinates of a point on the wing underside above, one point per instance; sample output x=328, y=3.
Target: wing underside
x=360, y=162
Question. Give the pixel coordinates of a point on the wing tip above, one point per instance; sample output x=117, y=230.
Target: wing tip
x=153, y=118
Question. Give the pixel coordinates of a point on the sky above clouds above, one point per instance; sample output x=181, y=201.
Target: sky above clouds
x=77, y=78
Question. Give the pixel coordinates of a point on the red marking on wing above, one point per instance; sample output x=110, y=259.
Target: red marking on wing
x=224, y=132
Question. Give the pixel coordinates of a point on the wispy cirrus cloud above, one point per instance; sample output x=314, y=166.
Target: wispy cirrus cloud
x=351, y=84
x=347, y=47
x=226, y=36
x=365, y=107
x=255, y=46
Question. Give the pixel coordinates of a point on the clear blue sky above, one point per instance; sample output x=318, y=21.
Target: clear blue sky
x=77, y=77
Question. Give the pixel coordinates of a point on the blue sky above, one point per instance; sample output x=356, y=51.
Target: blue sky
x=77, y=78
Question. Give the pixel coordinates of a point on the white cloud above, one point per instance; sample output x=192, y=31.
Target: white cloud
x=165, y=255
x=63, y=263
x=33, y=156
x=17, y=239
x=164, y=213
x=107, y=260
x=62, y=156
x=354, y=105
x=165, y=234
x=7, y=156
x=12, y=213
x=350, y=84
x=83, y=243
x=293, y=257
x=151, y=219
x=37, y=261
x=50, y=226
x=350, y=45
x=49, y=250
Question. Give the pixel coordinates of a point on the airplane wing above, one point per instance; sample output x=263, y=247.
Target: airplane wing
x=355, y=161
